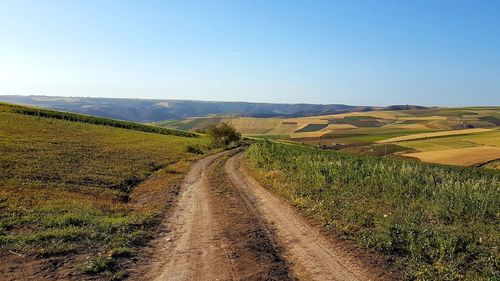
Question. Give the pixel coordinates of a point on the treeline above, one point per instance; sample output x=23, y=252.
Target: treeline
x=75, y=117
x=440, y=222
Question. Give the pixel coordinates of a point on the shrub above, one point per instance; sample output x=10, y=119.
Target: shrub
x=223, y=135
x=194, y=149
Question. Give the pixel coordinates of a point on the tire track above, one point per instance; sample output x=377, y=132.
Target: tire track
x=313, y=257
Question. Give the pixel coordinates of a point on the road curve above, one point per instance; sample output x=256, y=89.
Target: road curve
x=311, y=255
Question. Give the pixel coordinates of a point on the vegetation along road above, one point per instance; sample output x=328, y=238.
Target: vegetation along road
x=225, y=226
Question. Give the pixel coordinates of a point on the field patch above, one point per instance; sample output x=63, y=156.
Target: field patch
x=316, y=134
x=436, y=134
x=311, y=128
x=462, y=156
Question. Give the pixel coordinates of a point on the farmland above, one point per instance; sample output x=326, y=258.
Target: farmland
x=404, y=132
x=79, y=197
x=437, y=222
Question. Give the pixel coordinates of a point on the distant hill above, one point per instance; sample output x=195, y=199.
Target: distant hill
x=152, y=110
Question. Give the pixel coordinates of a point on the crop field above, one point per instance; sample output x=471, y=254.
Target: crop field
x=74, y=196
x=411, y=131
x=464, y=156
x=311, y=128
x=437, y=222
x=476, y=148
x=436, y=134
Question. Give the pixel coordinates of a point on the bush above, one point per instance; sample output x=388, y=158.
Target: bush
x=223, y=135
x=194, y=149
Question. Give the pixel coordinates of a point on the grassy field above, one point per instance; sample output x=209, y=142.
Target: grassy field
x=436, y=134
x=464, y=156
x=438, y=222
x=68, y=116
x=73, y=195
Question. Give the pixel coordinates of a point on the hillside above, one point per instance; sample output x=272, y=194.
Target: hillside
x=459, y=136
x=78, y=198
x=435, y=222
x=149, y=110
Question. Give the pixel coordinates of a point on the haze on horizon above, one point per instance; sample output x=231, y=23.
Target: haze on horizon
x=386, y=52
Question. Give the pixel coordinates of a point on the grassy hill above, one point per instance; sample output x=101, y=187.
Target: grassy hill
x=438, y=222
x=441, y=135
x=81, y=198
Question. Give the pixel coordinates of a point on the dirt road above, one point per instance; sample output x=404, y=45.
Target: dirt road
x=225, y=226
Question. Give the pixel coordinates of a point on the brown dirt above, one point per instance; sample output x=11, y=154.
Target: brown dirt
x=253, y=252
x=212, y=235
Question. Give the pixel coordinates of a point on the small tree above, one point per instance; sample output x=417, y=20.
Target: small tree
x=223, y=135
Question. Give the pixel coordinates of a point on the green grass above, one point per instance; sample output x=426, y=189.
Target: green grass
x=69, y=188
x=311, y=128
x=271, y=137
x=68, y=116
x=372, y=135
x=440, y=222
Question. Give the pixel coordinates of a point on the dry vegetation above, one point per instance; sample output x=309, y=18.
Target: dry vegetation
x=465, y=156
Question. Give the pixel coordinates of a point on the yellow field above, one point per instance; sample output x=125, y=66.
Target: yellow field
x=423, y=118
x=490, y=138
x=416, y=126
x=316, y=134
x=307, y=120
x=339, y=127
x=435, y=134
x=389, y=115
x=254, y=125
x=461, y=156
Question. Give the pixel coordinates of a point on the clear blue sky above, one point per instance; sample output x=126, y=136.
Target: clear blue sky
x=429, y=52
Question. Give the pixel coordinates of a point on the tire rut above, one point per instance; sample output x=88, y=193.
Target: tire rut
x=213, y=234
x=313, y=256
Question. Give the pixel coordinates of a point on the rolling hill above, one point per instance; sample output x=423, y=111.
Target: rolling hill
x=149, y=110
x=80, y=194
x=414, y=132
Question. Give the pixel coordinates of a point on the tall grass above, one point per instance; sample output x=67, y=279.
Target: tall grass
x=68, y=116
x=440, y=222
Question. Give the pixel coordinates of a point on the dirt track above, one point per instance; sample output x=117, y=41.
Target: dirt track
x=227, y=227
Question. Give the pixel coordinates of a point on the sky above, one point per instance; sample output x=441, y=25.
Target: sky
x=426, y=52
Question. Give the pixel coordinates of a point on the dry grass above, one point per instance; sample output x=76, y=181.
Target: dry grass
x=254, y=125
x=389, y=115
x=435, y=134
x=416, y=126
x=461, y=156
x=340, y=127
